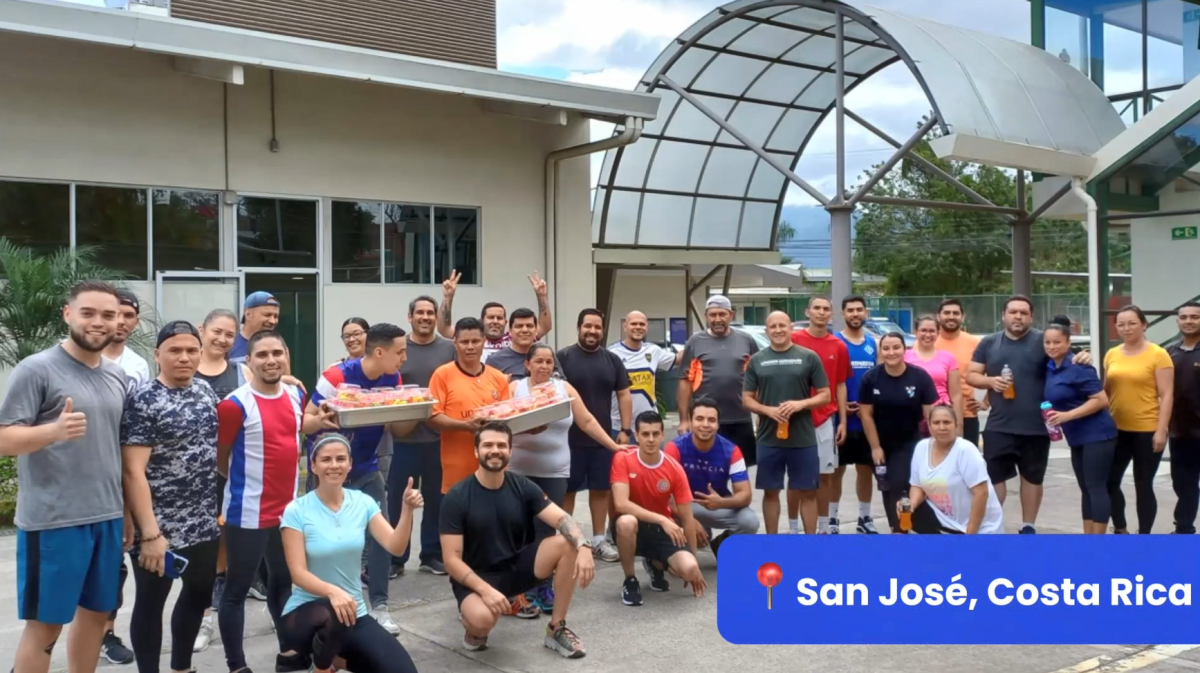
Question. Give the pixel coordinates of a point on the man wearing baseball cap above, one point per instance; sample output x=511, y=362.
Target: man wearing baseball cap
x=714, y=364
x=260, y=312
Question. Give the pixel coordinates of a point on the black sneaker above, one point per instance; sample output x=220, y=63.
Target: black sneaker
x=1028, y=530
x=658, y=579
x=631, y=591
x=114, y=650
x=834, y=526
x=433, y=566
x=866, y=526
x=292, y=662
x=715, y=543
x=396, y=572
x=258, y=590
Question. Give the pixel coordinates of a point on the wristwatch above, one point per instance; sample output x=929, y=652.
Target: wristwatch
x=585, y=543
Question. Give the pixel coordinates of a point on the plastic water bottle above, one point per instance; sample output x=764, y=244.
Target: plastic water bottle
x=881, y=477
x=1056, y=433
x=1010, y=393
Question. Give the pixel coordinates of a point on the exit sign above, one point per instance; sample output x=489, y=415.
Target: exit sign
x=1183, y=233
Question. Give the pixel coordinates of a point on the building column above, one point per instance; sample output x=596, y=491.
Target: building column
x=841, y=257
x=1022, y=282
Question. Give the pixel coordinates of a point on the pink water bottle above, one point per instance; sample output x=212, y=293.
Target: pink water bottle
x=1056, y=433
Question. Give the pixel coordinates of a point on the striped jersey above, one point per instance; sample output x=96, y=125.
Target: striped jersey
x=264, y=433
x=366, y=443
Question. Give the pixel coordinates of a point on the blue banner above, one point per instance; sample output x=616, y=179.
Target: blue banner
x=959, y=589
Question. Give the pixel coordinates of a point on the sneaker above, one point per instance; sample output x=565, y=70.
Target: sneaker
x=542, y=597
x=866, y=526
x=433, y=566
x=1028, y=530
x=114, y=650
x=564, y=641
x=605, y=551
x=658, y=578
x=474, y=643
x=521, y=608
x=204, y=638
x=631, y=591
x=715, y=543
x=395, y=572
x=833, y=527
x=385, y=620
x=258, y=591
x=1114, y=531
x=287, y=663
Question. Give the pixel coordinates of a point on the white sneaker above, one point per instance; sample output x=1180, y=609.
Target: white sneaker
x=605, y=551
x=204, y=638
x=385, y=620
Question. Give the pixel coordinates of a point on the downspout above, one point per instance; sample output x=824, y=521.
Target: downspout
x=1093, y=259
x=633, y=131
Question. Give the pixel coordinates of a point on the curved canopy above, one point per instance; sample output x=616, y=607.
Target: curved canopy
x=768, y=69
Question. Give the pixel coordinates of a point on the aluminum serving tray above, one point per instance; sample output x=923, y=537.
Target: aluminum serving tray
x=538, y=417
x=359, y=418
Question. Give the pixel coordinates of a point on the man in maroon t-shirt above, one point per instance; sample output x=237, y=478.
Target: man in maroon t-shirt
x=836, y=358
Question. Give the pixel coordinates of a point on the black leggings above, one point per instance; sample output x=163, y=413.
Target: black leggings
x=1093, y=464
x=898, y=459
x=1138, y=448
x=313, y=629
x=245, y=549
x=925, y=521
x=146, y=627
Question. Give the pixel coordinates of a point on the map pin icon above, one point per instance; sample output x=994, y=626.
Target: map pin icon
x=770, y=575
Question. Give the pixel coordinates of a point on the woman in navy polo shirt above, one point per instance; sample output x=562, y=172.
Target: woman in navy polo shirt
x=1081, y=409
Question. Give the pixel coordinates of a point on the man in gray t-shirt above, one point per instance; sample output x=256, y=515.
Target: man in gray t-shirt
x=61, y=418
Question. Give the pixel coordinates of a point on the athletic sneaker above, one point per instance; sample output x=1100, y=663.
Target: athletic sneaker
x=866, y=526
x=658, y=579
x=1028, y=530
x=395, y=572
x=521, y=608
x=433, y=566
x=631, y=591
x=385, y=620
x=715, y=543
x=287, y=663
x=564, y=641
x=114, y=650
x=474, y=643
x=258, y=591
x=542, y=597
x=833, y=527
x=605, y=551
x=204, y=638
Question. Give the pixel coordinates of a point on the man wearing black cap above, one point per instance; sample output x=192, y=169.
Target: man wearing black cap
x=260, y=312
x=134, y=365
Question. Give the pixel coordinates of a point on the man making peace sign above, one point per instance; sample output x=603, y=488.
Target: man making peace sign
x=493, y=316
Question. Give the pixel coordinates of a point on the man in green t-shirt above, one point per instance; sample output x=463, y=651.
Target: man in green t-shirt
x=782, y=385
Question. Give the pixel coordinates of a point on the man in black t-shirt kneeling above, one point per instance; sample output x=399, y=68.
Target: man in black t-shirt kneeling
x=490, y=547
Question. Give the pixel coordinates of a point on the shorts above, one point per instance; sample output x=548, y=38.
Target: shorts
x=1007, y=455
x=591, y=469
x=827, y=449
x=653, y=543
x=743, y=436
x=513, y=580
x=61, y=569
x=971, y=430
x=856, y=450
x=802, y=466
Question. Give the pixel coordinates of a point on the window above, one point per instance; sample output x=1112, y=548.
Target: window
x=187, y=231
x=36, y=215
x=277, y=232
x=395, y=243
x=114, y=219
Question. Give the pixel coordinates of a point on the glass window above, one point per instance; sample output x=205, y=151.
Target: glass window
x=1067, y=38
x=356, y=242
x=187, y=231
x=1172, y=42
x=114, y=220
x=406, y=250
x=36, y=215
x=456, y=243
x=277, y=232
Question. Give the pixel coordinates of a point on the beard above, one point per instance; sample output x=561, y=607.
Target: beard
x=854, y=323
x=486, y=462
x=87, y=343
x=269, y=378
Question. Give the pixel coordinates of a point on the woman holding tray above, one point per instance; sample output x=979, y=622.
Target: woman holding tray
x=545, y=457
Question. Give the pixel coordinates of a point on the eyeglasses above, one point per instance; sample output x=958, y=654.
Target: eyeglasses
x=353, y=335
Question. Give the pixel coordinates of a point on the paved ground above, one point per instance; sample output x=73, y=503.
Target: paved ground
x=675, y=631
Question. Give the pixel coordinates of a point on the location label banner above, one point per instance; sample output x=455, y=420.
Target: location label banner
x=959, y=589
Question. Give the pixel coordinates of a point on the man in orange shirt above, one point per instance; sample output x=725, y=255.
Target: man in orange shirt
x=461, y=387
x=959, y=343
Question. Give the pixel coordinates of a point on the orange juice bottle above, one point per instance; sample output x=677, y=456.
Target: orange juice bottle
x=905, y=515
x=1010, y=393
x=781, y=430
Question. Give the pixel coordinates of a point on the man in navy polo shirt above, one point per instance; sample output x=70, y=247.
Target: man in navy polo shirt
x=1185, y=419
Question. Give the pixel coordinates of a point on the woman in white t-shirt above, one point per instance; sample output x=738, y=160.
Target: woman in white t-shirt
x=950, y=489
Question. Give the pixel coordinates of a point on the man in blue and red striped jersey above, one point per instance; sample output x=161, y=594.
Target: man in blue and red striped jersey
x=713, y=464
x=258, y=451
x=379, y=367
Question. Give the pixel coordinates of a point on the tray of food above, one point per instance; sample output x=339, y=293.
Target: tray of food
x=357, y=408
x=522, y=414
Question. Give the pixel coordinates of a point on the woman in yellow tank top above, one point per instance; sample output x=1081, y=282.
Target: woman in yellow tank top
x=1139, y=378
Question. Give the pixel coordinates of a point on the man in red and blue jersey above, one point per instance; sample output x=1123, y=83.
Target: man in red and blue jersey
x=258, y=451
x=854, y=449
x=712, y=463
x=379, y=367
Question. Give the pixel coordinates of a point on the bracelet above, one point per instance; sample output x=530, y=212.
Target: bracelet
x=152, y=538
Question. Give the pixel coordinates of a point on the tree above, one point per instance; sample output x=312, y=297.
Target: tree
x=786, y=233
x=33, y=294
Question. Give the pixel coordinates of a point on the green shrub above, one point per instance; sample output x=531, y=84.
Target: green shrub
x=8, y=489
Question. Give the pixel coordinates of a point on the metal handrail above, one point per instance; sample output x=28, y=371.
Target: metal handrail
x=1162, y=316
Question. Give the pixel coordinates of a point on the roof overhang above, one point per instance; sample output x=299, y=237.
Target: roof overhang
x=963, y=147
x=190, y=39
x=1148, y=130
x=681, y=256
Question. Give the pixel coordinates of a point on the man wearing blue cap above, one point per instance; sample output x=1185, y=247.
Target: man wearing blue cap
x=260, y=312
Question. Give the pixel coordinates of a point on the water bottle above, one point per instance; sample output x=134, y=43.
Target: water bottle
x=1010, y=393
x=1056, y=433
x=881, y=477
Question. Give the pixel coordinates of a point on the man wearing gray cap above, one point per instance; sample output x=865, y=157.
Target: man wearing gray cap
x=714, y=364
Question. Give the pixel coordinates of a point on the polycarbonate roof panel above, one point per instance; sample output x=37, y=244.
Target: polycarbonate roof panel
x=769, y=73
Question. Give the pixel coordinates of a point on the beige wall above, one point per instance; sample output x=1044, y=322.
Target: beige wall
x=659, y=294
x=79, y=112
x=1165, y=273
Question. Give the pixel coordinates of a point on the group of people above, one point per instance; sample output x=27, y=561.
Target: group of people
x=194, y=471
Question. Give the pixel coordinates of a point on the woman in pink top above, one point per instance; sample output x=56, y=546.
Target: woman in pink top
x=941, y=366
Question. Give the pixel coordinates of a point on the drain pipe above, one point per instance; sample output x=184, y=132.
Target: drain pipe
x=633, y=131
x=1093, y=258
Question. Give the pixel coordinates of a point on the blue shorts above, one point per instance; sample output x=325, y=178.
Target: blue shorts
x=591, y=469
x=61, y=569
x=802, y=467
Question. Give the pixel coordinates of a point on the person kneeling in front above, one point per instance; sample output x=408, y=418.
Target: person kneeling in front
x=711, y=464
x=491, y=548
x=324, y=533
x=950, y=491
x=643, y=481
